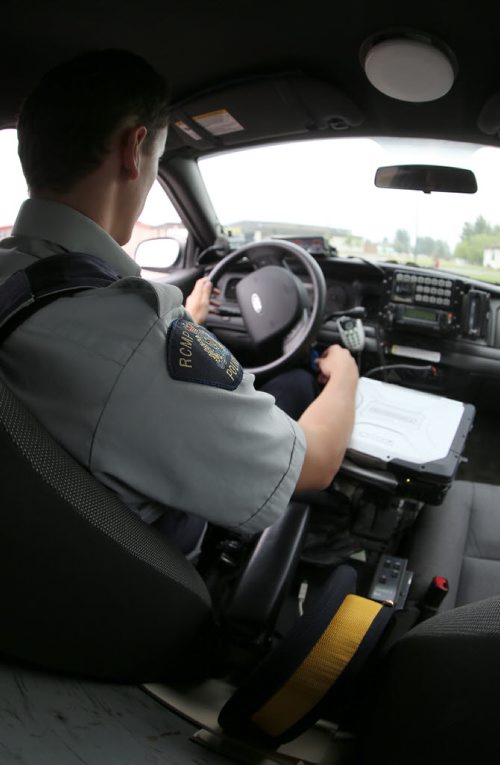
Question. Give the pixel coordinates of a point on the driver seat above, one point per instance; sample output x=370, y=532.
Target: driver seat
x=83, y=576
x=84, y=579
x=91, y=590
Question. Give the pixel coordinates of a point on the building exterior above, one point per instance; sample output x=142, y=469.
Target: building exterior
x=491, y=257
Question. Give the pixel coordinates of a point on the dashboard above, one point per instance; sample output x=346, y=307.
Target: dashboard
x=412, y=316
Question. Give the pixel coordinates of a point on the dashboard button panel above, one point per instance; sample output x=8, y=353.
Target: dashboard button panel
x=430, y=304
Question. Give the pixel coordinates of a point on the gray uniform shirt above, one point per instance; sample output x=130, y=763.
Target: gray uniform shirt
x=106, y=371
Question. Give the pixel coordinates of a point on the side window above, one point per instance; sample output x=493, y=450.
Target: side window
x=12, y=184
x=158, y=219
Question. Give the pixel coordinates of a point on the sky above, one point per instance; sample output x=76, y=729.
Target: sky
x=324, y=183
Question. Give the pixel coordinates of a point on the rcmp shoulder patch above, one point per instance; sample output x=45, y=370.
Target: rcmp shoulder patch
x=195, y=355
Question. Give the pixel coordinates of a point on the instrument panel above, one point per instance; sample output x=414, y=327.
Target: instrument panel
x=415, y=307
x=413, y=318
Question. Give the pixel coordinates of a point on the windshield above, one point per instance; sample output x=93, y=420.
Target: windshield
x=323, y=191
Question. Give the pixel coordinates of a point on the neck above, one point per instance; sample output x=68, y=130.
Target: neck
x=96, y=196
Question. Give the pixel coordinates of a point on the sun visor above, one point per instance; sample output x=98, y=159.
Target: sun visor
x=260, y=109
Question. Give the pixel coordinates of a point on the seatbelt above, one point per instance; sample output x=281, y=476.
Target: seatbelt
x=26, y=291
x=433, y=597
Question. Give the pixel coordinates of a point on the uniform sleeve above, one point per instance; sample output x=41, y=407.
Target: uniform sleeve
x=185, y=427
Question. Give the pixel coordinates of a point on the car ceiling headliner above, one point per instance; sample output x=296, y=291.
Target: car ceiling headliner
x=200, y=45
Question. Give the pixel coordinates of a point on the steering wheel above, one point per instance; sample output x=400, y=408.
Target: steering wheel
x=274, y=303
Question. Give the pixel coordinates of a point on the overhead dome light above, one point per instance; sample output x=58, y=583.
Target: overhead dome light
x=409, y=68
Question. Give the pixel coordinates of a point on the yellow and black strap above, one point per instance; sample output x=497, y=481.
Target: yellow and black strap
x=314, y=667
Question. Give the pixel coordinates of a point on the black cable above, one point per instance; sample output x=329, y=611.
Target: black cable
x=378, y=344
x=368, y=263
x=357, y=312
x=380, y=348
x=407, y=367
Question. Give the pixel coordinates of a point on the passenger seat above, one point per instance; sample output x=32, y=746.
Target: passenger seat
x=435, y=697
x=459, y=540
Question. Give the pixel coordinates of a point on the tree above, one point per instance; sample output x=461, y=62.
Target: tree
x=472, y=248
x=476, y=237
x=481, y=226
x=441, y=250
x=402, y=241
x=434, y=248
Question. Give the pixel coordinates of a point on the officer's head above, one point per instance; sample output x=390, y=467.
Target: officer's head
x=85, y=110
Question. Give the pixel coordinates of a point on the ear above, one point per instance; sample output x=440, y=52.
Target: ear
x=131, y=146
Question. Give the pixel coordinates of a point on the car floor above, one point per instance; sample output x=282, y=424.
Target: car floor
x=323, y=744
x=47, y=719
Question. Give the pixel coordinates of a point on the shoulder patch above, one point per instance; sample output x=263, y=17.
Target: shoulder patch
x=195, y=355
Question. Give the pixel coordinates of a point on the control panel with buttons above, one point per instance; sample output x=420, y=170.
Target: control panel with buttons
x=423, y=290
x=391, y=581
x=426, y=303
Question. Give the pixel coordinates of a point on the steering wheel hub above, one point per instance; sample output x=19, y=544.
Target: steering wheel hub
x=270, y=303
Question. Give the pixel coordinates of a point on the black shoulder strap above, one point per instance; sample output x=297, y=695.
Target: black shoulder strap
x=30, y=289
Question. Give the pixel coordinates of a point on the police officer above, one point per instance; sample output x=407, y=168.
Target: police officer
x=122, y=376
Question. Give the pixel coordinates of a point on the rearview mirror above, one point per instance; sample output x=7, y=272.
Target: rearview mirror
x=426, y=178
x=157, y=254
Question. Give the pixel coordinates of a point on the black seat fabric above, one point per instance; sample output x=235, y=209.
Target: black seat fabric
x=459, y=540
x=435, y=700
x=87, y=587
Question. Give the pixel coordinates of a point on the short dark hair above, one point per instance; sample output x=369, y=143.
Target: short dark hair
x=65, y=124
